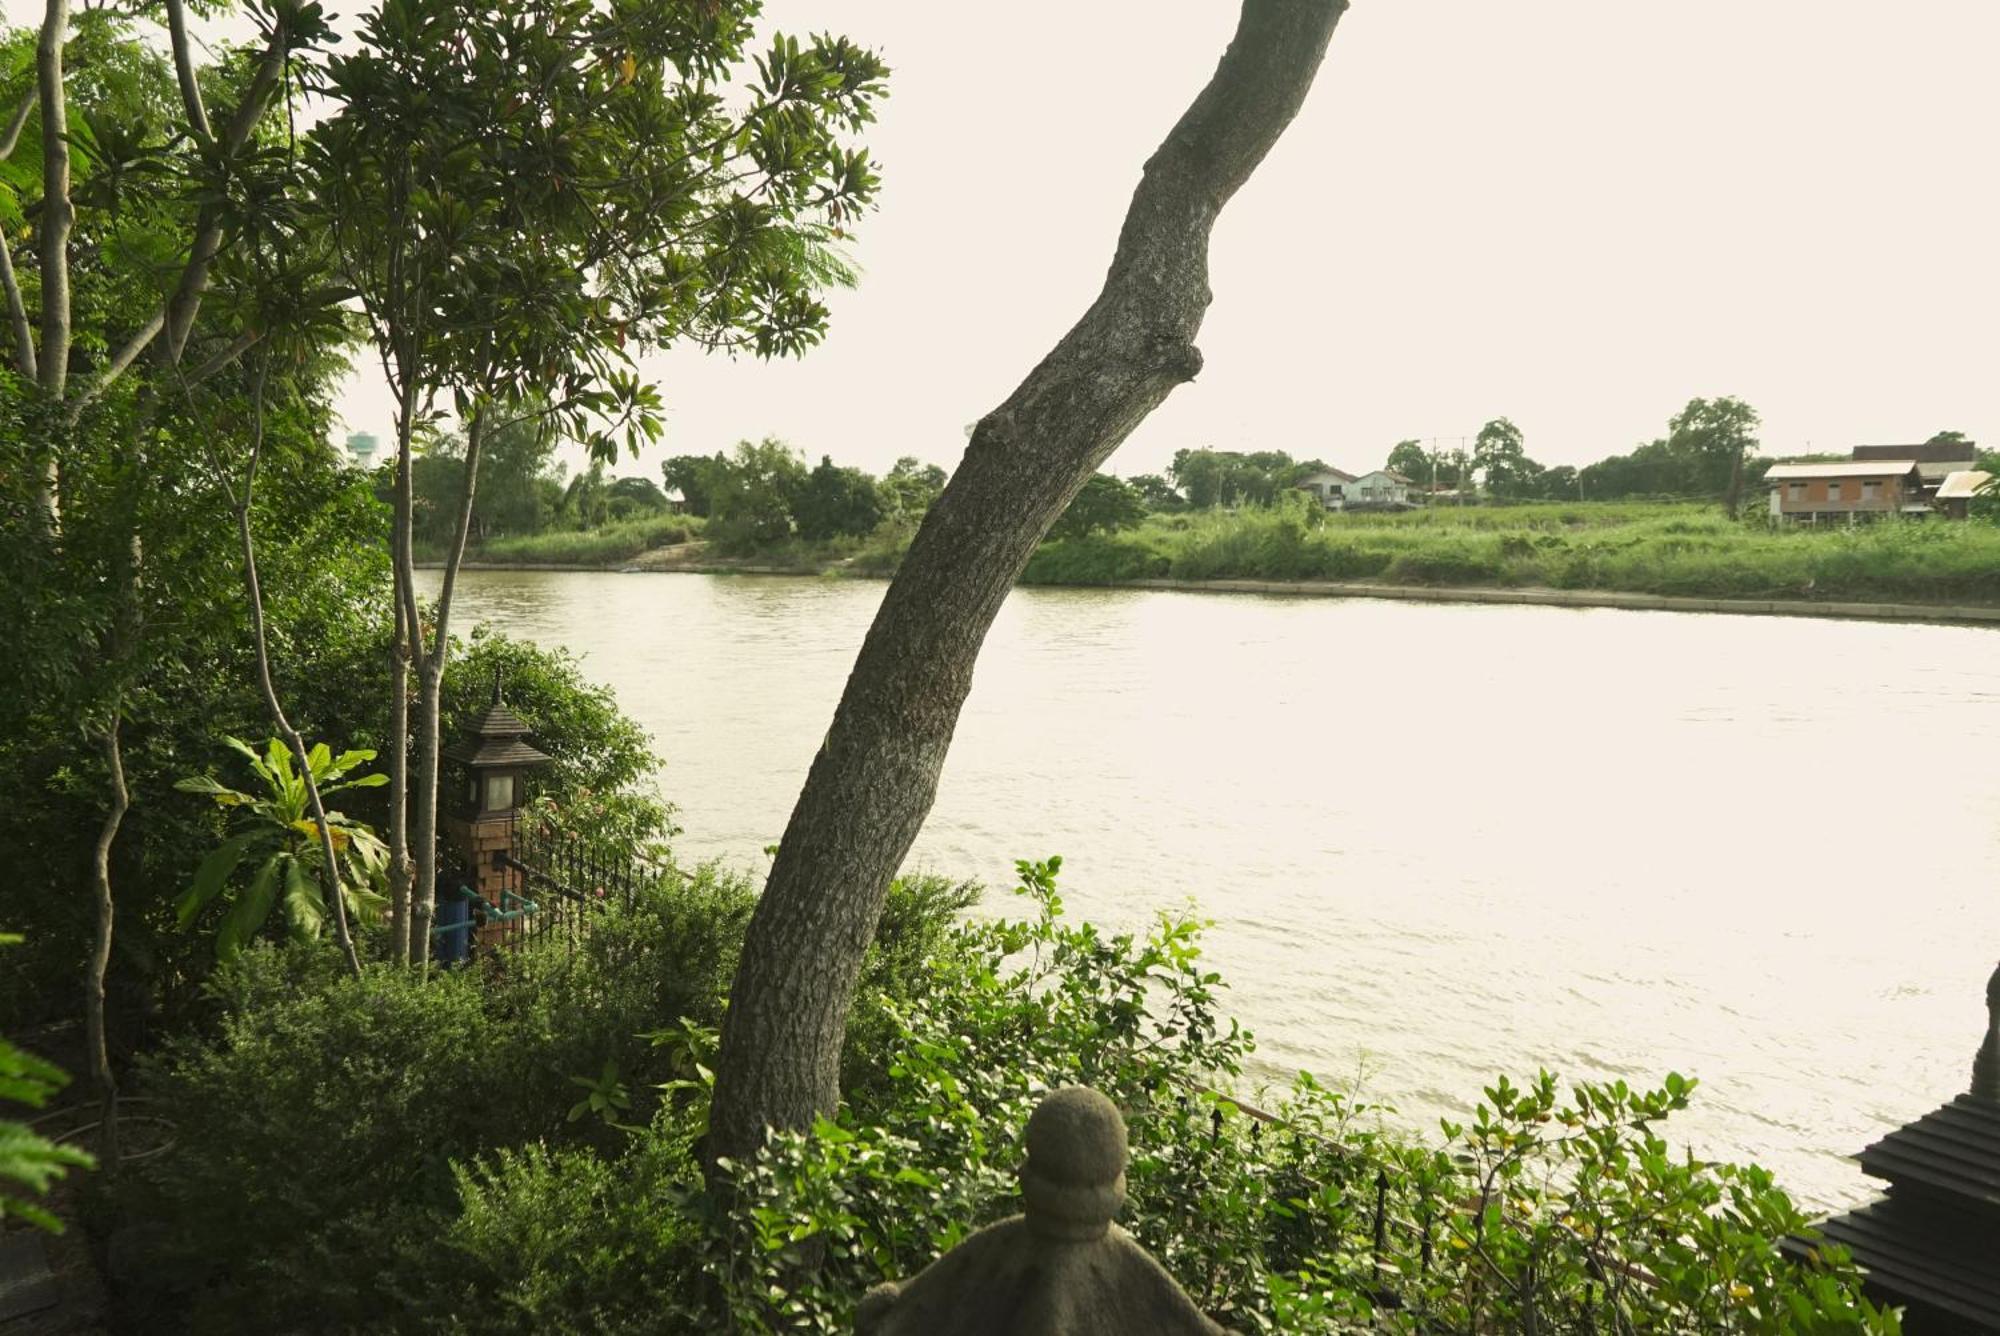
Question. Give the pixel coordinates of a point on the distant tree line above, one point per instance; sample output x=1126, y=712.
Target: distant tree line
x=762, y=493
x=757, y=494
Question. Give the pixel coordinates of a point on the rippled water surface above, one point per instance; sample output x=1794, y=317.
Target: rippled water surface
x=1437, y=841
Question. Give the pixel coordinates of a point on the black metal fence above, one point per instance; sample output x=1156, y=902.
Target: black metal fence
x=546, y=885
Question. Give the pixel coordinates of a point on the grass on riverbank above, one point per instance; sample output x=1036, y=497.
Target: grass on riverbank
x=611, y=545
x=1638, y=548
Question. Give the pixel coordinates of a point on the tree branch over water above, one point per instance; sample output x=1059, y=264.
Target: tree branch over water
x=875, y=777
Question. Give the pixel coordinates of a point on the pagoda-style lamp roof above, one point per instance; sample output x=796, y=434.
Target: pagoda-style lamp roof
x=497, y=741
x=1932, y=1241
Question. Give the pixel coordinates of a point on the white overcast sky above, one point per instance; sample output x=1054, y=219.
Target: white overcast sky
x=1575, y=213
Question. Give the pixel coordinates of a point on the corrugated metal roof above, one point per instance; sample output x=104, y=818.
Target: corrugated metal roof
x=1965, y=482
x=1922, y=1251
x=1872, y=468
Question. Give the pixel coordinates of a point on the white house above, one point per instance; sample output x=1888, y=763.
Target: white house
x=1328, y=485
x=1383, y=487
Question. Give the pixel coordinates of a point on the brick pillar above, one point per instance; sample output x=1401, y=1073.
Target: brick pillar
x=478, y=841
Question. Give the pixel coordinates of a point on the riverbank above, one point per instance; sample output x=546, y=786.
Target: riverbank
x=1962, y=614
x=1655, y=557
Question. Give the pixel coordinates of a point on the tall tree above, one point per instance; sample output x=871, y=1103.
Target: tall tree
x=835, y=501
x=526, y=196
x=1104, y=505
x=689, y=475
x=753, y=493
x=1500, y=453
x=875, y=776
x=1717, y=435
x=909, y=487
x=1410, y=459
x=126, y=226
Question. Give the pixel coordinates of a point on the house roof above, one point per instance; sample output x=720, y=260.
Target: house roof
x=1886, y=468
x=1964, y=483
x=1941, y=452
x=1939, y=470
x=1390, y=474
x=1338, y=475
x=1393, y=474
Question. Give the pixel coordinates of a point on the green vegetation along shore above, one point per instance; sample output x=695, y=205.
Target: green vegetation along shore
x=1631, y=548
x=1673, y=549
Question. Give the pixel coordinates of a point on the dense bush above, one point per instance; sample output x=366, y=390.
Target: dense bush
x=1540, y=1213
x=324, y=1120
x=515, y=1151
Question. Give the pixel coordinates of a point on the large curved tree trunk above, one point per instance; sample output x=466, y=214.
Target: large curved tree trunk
x=875, y=776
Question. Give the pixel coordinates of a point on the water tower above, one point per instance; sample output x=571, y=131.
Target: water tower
x=362, y=445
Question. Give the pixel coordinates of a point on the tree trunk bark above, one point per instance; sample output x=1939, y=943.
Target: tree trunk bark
x=431, y=703
x=875, y=776
x=330, y=880
x=95, y=1041
x=400, y=652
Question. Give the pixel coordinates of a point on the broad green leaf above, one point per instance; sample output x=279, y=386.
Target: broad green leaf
x=251, y=908
x=305, y=911
x=213, y=872
x=222, y=793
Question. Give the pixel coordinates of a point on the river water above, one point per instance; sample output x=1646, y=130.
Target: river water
x=1437, y=841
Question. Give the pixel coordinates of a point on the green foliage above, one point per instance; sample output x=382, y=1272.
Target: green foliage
x=1210, y=478
x=613, y=544
x=29, y=1162
x=1638, y=548
x=509, y=499
x=1704, y=443
x=333, y=1111
x=909, y=487
x=282, y=833
x=1543, y=1213
x=1502, y=459
x=1104, y=505
x=1410, y=459
x=753, y=495
x=187, y=680
x=835, y=501
x=1157, y=492
x=688, y=475
x=525, y=198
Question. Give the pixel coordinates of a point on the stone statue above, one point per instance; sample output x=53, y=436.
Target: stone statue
x=1986, y=1066
x=1061, y=1268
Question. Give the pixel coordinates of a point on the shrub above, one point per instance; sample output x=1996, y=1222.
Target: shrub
x=1540, y=1213
x=327, y=1122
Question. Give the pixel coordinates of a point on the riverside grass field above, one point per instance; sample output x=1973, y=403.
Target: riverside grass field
x=1677, y=548
x=1673, y=548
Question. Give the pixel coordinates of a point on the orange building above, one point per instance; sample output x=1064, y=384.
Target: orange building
x=1846, y=491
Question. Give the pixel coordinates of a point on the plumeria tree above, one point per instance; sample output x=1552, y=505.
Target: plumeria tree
x=523, y=199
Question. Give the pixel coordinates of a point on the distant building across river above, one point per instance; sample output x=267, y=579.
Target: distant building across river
x=1383, y=489
x=1911, y=480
